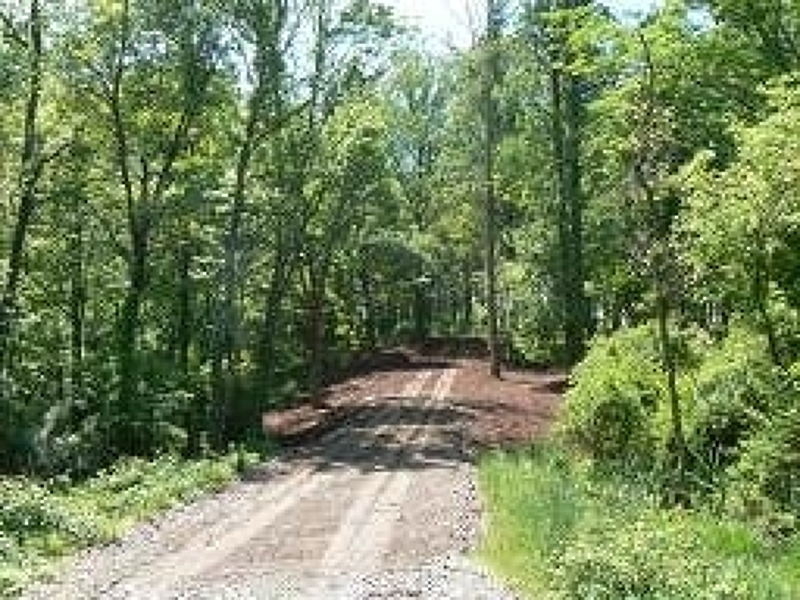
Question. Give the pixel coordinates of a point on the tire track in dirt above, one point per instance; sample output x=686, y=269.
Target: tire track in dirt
x=211, y=548
x=365, y=532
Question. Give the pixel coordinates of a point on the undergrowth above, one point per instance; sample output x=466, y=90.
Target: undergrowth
x=41, y=521
x=562, y=529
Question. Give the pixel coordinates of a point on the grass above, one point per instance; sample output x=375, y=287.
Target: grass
x=42, y=521
x=560, y=530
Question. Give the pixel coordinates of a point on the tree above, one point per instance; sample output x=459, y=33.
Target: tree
x=31, y=166
x=773, y=29
x=491, y=75
x=262, y=29
x=656, y=246
x=738, y=228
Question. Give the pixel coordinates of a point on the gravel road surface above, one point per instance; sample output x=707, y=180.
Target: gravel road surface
x=384, y=506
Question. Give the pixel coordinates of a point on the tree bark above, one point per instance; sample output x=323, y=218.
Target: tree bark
x=566, y=152
x=184, y=333
x=573, y=199
x=128, y=429
x=662, y=267
x=316, y=324
x=490, y=202
x=31, y=166
x=279, y=280
x=78, y=297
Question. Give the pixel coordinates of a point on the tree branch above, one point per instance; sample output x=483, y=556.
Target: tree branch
x=11, y=31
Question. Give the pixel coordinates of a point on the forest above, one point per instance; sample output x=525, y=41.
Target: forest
x=213, y=207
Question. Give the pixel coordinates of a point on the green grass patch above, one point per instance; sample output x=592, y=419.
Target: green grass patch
x=560, y=530
x=43, y=521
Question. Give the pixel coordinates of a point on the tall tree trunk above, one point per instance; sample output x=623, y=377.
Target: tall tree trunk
x=316, y=324
x=77, y=302
x=577, y=318
x=128, y=426
x=467, y=297
x=566, y=151
x=663, y=269
x=490, y=203
x=557, y=133
x=225, y=369
x=144, y=205
x=370, y=329
x=279, y=281
x=678, y=493
x=184, y=333
x=566, y=106
x=229, y=337
x=31, y=166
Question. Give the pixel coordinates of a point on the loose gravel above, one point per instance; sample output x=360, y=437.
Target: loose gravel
x=384, y=507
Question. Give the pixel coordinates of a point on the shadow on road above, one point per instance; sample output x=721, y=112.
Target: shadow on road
x=391, y=434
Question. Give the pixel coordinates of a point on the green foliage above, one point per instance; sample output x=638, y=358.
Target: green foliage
x=616, y=392
x=739, y=228
x=28, y=509
x=561, y=530
x=662, y=556
x=42, y=521
x=736, y=405
x=766, y=480
x=735, y=388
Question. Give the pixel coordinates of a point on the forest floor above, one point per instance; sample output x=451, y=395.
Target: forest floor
x=383, y=504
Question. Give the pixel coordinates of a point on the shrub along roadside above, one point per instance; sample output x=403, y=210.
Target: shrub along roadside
x=561, y=530
x=589, y=517
x=43, y=521
x=740, y=417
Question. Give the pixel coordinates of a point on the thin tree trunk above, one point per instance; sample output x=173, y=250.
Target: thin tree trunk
x=184, y=337
x=229, y=337
x=316, y=321
x=662, y=267
x=272, y=316
x=31, y=167
x=370, y=337
x=127, y=429
x=467, y=297
x=679, y=450
x=578, y=306
x=490, y=123
x=77, y=302
x=560, y=194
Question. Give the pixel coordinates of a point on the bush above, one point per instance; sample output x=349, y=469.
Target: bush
x=735, y=387
x=562, y=530
x=40, y=521
x=659, y=556
x=29, y=509
x=614, y=396
x=766, y=480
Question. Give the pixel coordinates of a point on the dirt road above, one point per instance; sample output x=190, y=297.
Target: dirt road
x=382, y=507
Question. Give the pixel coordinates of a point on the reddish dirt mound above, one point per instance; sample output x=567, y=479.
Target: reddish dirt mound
x=509, y=411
